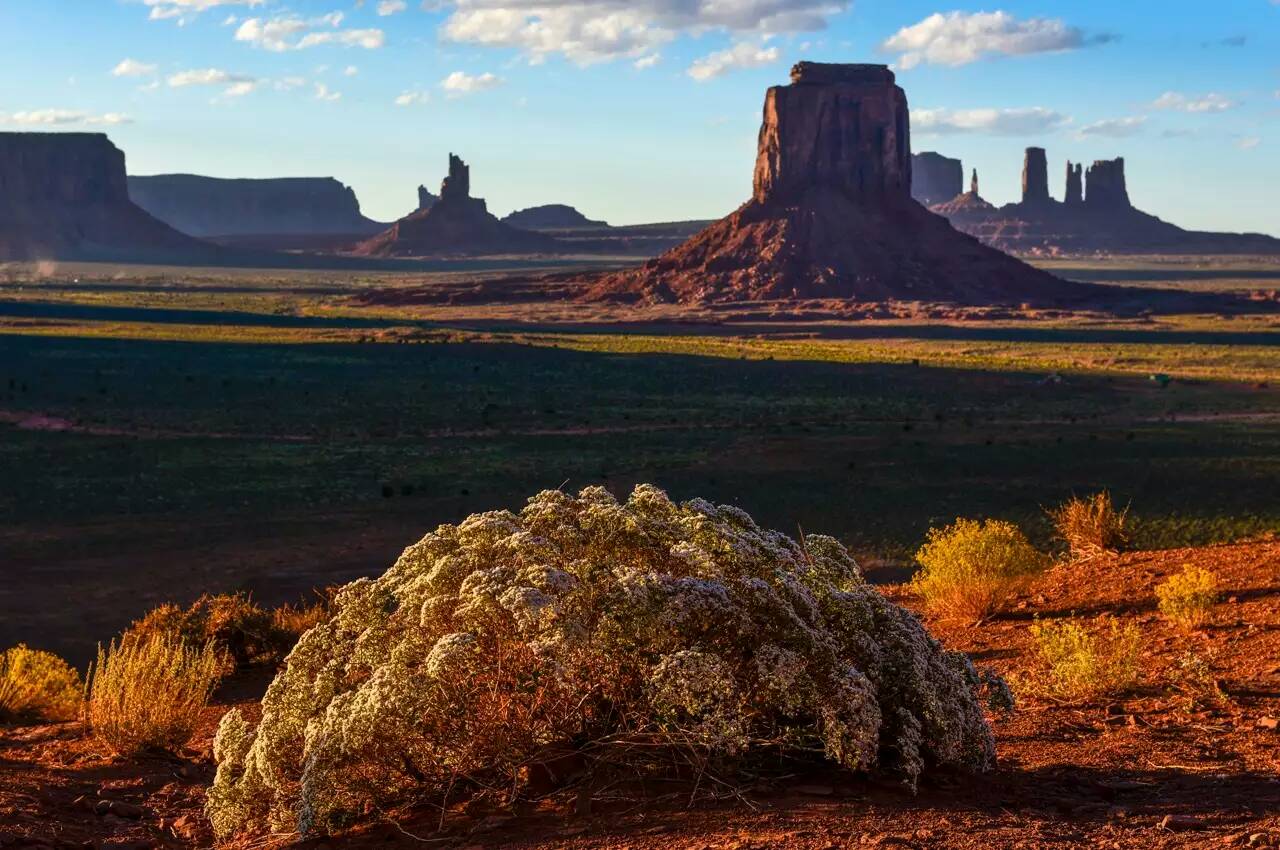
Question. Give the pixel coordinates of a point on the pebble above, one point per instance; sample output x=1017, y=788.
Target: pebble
x=1180, y=822
x=1269, y=723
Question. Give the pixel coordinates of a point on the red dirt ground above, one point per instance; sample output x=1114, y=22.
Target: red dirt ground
x=1142, y=771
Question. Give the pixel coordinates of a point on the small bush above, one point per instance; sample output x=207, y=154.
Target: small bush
x=241, y=631
x=629, y=638
x=1188, y=597
x=148, y=694
x=970, y=569
x=1091, y=526
x=1193, y=678
x=1079, y=662
x=38, y=686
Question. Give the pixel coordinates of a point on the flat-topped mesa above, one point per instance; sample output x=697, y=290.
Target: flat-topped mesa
x=1075, y=184
x=457, y=185
x=50, y=169
x=1035, y=177
x=836, y=127
x=1105, y=187
x=935, y=179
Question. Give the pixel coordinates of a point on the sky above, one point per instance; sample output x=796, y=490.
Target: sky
x=647, y=110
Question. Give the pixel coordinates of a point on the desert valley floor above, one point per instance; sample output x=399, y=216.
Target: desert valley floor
x=166, y=433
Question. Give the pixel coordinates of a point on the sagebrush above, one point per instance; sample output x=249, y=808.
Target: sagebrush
x=1188, y=597
x=969, y=569
x=1091, y=526
x=1078, y=661
x=148, y=695
x=621, y=634
x=37, y=685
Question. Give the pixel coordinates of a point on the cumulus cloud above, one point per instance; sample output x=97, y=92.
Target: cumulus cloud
x=1115, y=128
x=133, y=68
x=1211, y=102
x=959, y=38
x=591, y=31
x=460, y=83
x=996, y=122
x=323, y=93
x=290, y=32
x=184, y=10
x=1249, y=143
x=63, y=117
x=234, y=85
x=391, y=7
x=741, y=55
x=413, y=98
x=350, y=71
x=646, y=62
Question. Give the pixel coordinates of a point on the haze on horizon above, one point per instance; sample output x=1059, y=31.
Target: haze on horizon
x=647, y=110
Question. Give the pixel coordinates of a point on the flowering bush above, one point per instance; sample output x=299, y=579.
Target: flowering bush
x=969, y=569
x=588, y=629
x=37, y=685
x=1188, y=597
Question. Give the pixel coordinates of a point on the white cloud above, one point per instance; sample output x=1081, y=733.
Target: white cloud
x=741, y=55
x=649, y=61
x=290, y=32
x=391, y=7
x=290, y=83
x=1211, y=102
x=133, y=68
x=1251, y=142
x=323, y=93
x=996, y=122
x=591, y=31
x=235, y=85
x=413, y=98
x=62, y=117
x=184, y=10
x=350, y=71
x=460, y=83
x=1115, y=128
x=958, y=38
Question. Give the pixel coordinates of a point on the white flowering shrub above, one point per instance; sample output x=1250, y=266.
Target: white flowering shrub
x=600, y=629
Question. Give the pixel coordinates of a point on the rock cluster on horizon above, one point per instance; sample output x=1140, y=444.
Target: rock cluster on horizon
x=551, y=217
x=455, y=224
x=1096, y=214
x=212, y=206
x=832, y=217
x=65, y=196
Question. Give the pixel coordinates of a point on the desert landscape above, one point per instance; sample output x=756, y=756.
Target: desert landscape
x=870, y=514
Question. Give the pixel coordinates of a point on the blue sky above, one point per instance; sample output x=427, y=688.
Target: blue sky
x=647, y=110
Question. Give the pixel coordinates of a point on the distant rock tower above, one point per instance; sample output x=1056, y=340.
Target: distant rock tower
x=1105, y=186
x=973, y=184
x=1035, y=177
x=1075, y=184
x=457, y=186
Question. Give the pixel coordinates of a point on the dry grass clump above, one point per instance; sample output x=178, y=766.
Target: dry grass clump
x=36, y=685
x=148, y=694
x=970, y=568
x=240, y=630
x=1079, y=662
x=1091, y=526
x=1188, y=597
x=629, y=639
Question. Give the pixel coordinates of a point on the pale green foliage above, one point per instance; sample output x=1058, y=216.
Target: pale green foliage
x=970, y=568
x=1079, y=662
x=612, y=630
x=36, y=685
x=1188, y=597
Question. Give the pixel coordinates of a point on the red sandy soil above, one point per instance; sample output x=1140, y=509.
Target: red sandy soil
x=1146, y=770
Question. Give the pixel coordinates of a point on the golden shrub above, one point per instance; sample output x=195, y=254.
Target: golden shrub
x=1078, y=662
x=37, y=685
x=1091, y=526
x=1188, y=597
x=243, y=632
x=969, y=569
x=149, y=694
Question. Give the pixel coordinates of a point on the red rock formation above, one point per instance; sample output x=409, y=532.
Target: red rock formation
x=283, y=206
x=65, y=196
x=455, y=224
x=832, y=215
x=1075, y=184
x=1035, y=177
x=426, y=198
x=1105, y=187
x=551, y=217
x=935, y=179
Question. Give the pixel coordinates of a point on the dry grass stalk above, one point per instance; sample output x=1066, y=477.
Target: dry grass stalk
x=1091, y=526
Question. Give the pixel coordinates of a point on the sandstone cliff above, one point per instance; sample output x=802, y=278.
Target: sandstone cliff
x=831, y=216
x=65, y=196
x=551, y=217
x=456, y=224
x=212, y=206
x=1105, y=187
x=1035, y=177
x=935, y=179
